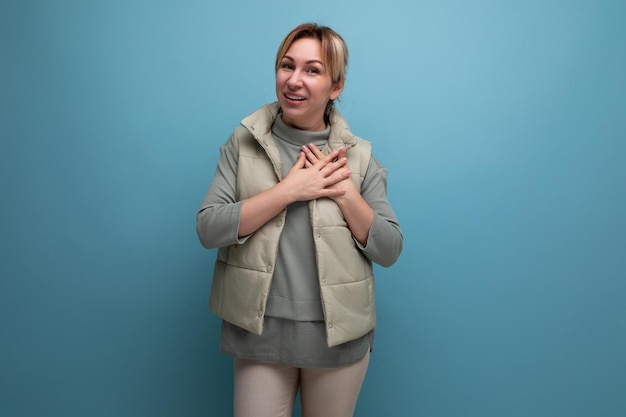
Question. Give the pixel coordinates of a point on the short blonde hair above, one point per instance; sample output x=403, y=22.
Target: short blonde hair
x=334, y=48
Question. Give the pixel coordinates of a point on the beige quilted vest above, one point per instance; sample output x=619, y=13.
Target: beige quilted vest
x=243, y=273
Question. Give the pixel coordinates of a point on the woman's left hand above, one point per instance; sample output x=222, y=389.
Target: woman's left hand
x=358, y=214
x=314, y=154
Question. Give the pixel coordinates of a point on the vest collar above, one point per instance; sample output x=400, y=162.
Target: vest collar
x=260, y=123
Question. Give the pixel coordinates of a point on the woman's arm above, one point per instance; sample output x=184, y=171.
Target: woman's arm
x=367, y=211
x=302, y=183
x=223, y=221
x=217, y=220
x=358, y=214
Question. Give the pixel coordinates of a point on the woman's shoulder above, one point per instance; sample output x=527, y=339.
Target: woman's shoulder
x=261, y=120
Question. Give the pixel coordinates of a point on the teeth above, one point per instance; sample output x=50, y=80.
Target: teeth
x=294, y=97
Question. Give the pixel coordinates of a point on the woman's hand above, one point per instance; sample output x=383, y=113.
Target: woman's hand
x=358, y=214
x=308, y=179
x=315, y=175
x=344, y=184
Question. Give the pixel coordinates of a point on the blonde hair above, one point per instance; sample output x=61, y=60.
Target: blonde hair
x=334, y=49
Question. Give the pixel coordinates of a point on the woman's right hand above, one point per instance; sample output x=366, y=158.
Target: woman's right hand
x=312, y=179
x=306, y=180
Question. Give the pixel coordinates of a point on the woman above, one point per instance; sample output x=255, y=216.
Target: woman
x=298, y=210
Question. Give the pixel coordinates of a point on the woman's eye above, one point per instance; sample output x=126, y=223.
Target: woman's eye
x=313, y=71
x=287, y=66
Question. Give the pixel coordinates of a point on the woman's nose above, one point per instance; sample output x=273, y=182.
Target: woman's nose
x=295, y=79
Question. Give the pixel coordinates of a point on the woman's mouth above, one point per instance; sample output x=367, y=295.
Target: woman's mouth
x=294, y=97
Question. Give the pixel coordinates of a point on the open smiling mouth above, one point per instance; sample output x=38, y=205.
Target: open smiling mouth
x=295, y=98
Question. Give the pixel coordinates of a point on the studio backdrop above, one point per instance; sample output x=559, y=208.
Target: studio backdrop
x=501, y=124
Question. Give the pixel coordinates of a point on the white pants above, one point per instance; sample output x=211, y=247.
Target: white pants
x=264, y=389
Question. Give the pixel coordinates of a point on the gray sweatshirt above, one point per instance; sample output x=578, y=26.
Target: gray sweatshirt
x=294, y=305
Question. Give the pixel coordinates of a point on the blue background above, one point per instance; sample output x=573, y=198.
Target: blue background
x=502, y=125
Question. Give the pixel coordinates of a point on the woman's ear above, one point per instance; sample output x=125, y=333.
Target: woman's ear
x=336, y=90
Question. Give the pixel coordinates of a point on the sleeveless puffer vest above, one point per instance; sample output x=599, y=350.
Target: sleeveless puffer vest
x=243, y=273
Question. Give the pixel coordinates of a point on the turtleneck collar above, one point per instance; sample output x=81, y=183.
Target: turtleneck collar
x=296, y=136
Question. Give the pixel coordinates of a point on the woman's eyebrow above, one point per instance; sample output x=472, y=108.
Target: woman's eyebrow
x=310, y=61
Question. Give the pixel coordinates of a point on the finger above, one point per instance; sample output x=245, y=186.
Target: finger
x=338, y=176
x=341, y=161
x=315, y=154
x=308, y=150
x=310, y=156
x=316, y=151
x=337, y=155
x=334, y=166
x=300, y=162
x=333, y=192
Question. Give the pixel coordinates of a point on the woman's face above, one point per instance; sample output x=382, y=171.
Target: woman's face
x=304, y=86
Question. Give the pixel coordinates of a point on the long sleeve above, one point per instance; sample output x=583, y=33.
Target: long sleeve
x=385, y=239
x=217, y=221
